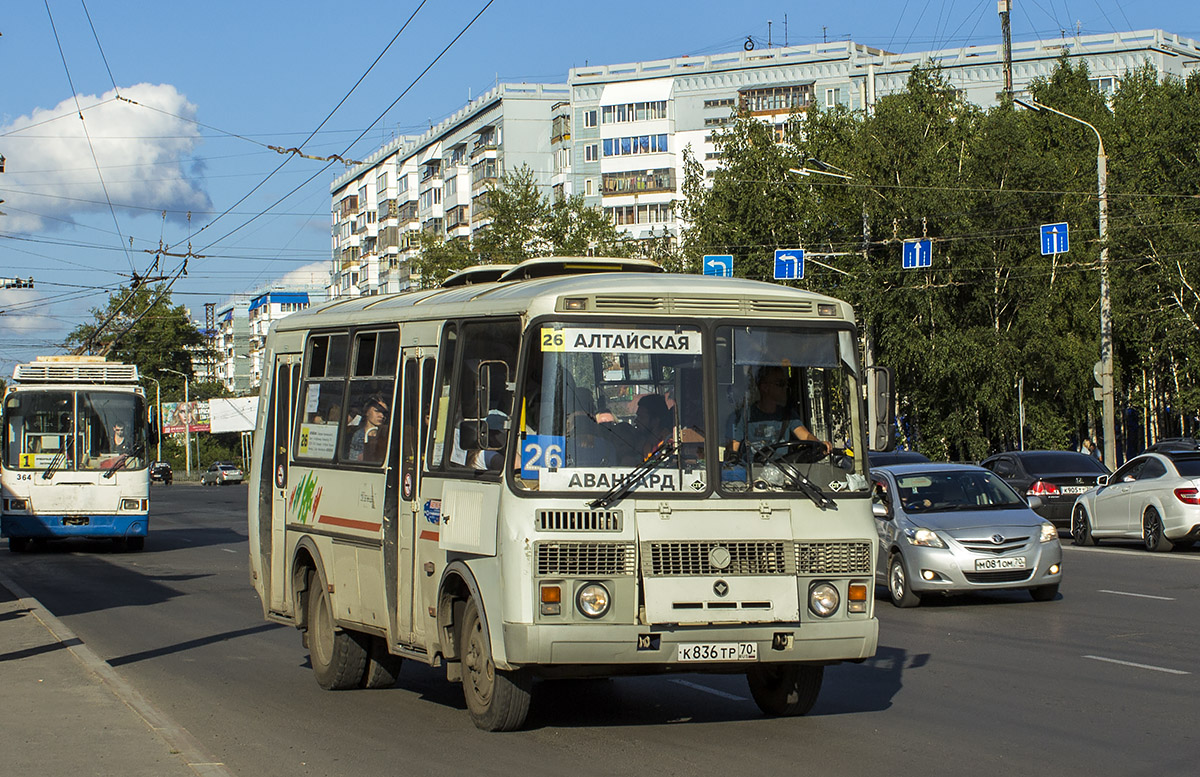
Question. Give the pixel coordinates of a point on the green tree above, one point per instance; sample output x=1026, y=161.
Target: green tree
x=438, y=259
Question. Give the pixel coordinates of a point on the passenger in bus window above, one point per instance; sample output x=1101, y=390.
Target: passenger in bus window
x=654, y=422
x=366, y=440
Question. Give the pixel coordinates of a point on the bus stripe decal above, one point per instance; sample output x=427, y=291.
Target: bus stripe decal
x=429, y=535
x=349, y=523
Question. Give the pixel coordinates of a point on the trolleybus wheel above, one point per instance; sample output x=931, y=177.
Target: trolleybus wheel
x=785, y=689
x=338, y=657
x=498, y=700
x=18, y=544
x=382, y=667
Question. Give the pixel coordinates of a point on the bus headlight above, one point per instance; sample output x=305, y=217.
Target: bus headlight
x=17, y=505
x=593, y=600
x=823, y=599
x=131, y=504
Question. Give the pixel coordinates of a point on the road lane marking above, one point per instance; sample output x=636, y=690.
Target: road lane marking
x=229, y=550
x=1138, y=666
x=713, y=691
x=1140, y=596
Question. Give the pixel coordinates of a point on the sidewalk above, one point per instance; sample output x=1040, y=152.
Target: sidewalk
x=66, y=713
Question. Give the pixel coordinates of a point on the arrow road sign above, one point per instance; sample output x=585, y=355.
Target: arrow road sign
x=719, y=264
x=1054, y=239
x=917, y=254
x=789, y=264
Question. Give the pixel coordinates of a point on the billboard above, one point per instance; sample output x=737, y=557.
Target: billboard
x=233, y=415
x=180, y=417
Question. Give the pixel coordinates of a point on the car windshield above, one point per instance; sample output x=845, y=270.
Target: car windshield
x=1062, y=463
x=948, y=491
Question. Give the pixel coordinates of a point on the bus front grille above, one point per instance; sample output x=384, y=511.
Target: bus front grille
x=584, y=559
x=579, y=520
x=833, y=558
x=682, y=559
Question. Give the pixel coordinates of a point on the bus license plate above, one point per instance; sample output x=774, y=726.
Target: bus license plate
x=990, y=564
x=718, y=651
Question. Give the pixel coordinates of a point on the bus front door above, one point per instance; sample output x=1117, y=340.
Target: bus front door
x=275, y=455
x=412, y=580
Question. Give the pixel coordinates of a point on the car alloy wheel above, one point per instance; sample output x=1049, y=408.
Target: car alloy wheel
x=1081, y=529
x=1152, y=532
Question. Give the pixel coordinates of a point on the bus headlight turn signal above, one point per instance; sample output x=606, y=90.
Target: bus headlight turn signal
x=823, y=599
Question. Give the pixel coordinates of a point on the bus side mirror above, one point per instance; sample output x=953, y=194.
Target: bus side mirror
x=881, y=413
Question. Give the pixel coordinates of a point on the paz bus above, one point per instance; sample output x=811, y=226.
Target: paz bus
x=535, y=472
x=73, y=438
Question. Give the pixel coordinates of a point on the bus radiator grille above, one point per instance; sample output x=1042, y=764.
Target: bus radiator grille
x=833, y=558
x=584, y=559
x=686, y=559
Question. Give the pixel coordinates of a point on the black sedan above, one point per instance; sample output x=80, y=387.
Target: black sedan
x=890, y=458
x=161, y=471
x=1055, y=476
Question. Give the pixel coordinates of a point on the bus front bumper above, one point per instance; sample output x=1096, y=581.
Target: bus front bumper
x=64, y=526
x=636, y=649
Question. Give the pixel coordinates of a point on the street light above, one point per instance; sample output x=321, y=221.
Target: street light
x=158, y=402
x=1106, y=350
x=187, y=426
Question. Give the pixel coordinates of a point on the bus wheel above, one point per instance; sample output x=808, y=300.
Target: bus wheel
x=18, y=544
x=382, y=667
x=498, y=700
x=338, y=657
x=785, y=689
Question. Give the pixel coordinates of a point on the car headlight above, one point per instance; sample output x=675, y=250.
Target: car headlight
x=1049, y=533
x=823, y=599
x=925, y=537
x=593, y=600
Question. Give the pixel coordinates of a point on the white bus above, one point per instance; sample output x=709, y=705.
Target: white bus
x=567, y=469
x=74, y=453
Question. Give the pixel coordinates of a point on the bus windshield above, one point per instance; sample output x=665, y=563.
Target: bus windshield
x=88, y=430
x=600, y=401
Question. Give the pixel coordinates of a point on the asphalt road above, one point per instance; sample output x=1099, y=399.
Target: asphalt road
x=1103, y=680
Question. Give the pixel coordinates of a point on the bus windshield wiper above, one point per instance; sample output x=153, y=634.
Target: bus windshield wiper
x=653, y=462
x=55, y=463
x=805, y=486
x=121, y=462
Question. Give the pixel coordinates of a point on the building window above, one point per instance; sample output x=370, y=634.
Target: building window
x=591, y=152
x=720, y=121
x=724, y=102
x=627, y=112
x=589, y=118
x=776, y=99
x=588, y=187
x=402, y=184
x=833, y=97
x=639, y=181
x=1107, y=86
x=642, y=144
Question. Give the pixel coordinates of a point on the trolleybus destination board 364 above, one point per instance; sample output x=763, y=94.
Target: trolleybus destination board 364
x=570, y=468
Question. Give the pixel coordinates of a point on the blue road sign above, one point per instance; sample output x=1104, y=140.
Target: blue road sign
x=719, y=264
x=917, y=254
x=789, y=264
x=1054, y=239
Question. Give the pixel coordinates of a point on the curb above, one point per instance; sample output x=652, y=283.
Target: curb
x=179, y=741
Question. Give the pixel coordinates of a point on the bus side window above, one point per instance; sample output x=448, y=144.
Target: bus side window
x=481, y=400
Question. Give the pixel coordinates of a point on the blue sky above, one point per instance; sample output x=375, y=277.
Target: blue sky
x=217, y=82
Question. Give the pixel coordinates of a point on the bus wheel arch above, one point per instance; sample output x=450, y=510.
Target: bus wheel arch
x=306, y=561
x=457, y=586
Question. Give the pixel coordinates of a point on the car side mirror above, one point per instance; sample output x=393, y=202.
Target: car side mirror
x=880, y=510
x=1034, y=501
x=1102, y=480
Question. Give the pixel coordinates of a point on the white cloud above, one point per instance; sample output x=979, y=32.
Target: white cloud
x=143, y=151
x=310, y=276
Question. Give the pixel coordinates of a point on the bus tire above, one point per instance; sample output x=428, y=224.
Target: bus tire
x=338, y=657
x=382, y=667
x=785, y=689
x=498, y=700
x=18, y=544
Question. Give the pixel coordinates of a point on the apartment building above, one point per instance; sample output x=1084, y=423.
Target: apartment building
x=437, y=184
x=616, y=134
x=265, y=309
x=231, y=342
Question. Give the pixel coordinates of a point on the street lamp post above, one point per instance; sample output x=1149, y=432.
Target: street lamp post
x=158, y=403
x=187, y=427
x=1106, y=344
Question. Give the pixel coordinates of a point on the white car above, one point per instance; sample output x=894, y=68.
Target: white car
x=1154, y=497
x=219, y=474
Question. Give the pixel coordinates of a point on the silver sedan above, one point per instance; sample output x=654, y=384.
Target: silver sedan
x=1154, y=497
x=953, y=528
